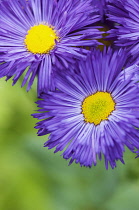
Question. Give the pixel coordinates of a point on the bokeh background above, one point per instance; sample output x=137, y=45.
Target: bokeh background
x=34, y=178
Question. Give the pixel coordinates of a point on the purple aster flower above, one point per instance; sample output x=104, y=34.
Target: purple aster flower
x=93, y=113
x=36, y=35
x=126, y=15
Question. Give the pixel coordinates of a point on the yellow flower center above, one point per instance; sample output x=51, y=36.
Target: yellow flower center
x=40, y=39
x=97, y=107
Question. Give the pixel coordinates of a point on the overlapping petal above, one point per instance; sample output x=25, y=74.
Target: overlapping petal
x=125, y=15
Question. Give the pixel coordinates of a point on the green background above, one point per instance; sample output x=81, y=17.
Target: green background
x=34, y=178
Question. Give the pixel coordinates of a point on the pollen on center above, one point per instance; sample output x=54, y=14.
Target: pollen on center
x=97, y=107
x=40, y=39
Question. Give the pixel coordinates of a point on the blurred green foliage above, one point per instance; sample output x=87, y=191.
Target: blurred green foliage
x=34, y=178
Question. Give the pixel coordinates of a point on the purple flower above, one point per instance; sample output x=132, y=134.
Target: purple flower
x=36, y=35
x=94, y=112
x=126, y=15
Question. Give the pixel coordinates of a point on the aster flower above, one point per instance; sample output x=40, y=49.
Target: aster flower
x=36, y=35
x=126, y=14
x=93, y=113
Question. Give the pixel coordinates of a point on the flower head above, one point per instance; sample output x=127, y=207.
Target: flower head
x=36, y=35
x=93, y=112
x=126, y=15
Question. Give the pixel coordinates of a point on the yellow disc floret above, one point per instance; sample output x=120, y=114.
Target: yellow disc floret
x=97, y=107
x=40, y=39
